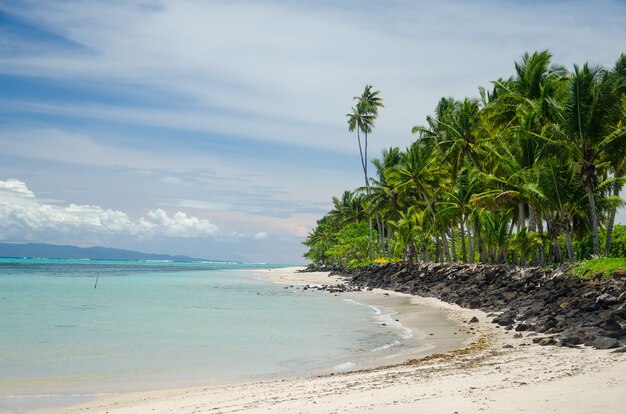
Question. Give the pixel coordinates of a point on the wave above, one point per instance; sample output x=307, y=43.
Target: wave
x=386, y=346
x=345, y=366
x=387, y=319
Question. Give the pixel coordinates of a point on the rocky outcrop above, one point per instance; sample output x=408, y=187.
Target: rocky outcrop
x=567, y=311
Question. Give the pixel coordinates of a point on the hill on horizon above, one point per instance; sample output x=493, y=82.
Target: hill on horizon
x=53, y=251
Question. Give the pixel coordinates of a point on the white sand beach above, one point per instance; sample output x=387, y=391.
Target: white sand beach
x=491, y=372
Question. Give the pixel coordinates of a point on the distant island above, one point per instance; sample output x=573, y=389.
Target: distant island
x=52, y=251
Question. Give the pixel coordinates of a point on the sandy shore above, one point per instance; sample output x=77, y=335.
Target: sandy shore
x=495, y=373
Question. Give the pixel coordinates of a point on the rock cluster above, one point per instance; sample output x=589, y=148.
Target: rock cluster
x=568, y=311
x=338, y=288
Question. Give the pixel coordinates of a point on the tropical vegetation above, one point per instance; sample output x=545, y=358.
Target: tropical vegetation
x=529, y=173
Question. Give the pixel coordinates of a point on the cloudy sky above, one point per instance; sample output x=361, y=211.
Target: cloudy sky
x=217, y=128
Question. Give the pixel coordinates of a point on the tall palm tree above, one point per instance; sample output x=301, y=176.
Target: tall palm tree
x=362, y=119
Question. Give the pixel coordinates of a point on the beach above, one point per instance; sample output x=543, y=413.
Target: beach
x=495, y=371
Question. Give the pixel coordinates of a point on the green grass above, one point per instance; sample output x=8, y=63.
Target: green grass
x=601, y=267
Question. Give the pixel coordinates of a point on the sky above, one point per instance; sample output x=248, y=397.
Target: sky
x=217, y=129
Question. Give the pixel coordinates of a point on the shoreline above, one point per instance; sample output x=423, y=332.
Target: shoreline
x=499, y=371
x=434, y=327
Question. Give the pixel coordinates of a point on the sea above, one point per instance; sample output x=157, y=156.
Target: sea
x=73, y=330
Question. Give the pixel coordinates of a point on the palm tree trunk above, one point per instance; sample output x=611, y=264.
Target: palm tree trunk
x=409, y=252
x=482, y=256
x=446, y=247
x=472, y=247
x=358, y=137
x=437, y=250
x=444, y=239
x=568, y=241
x=381, y=234
x=611, y=224
x=521, y=221
x=463, y=247
x=453, y=244
x=532, y=227
x=542, y=251
x=474, y=161
x=371, y=239
x=557, y=250
x=594, y=218
x=365, y=163
x=367, y=184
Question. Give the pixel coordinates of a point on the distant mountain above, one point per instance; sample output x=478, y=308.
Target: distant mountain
x=52, y=251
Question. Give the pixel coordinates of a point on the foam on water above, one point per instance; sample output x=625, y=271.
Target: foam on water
x=387, y=346
x=387, y=319
x=345, y=366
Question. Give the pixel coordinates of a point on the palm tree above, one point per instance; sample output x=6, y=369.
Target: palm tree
x=559, y=184
x=418, y=175
x=589, y=130
x=522, y=111
x=382, y=195
x=362, y=119
x=454, y=128
x=456, y=205
x=616, y=155
x=348, y=208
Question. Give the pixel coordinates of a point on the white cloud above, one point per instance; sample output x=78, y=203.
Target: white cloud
x=179, y=176
x=261, y=235
x=15, y=189
x=22, y=213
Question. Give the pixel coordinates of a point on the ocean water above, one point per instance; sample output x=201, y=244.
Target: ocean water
x=150, y=325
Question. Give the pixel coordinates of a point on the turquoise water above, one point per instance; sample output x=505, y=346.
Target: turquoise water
x=165, y=324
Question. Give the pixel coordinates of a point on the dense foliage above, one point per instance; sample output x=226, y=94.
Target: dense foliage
x=528, y=173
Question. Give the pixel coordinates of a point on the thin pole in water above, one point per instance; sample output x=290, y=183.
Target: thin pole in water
x=96, y=285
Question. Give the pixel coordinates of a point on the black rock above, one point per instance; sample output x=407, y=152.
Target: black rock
x=547, y=301
x=523, y=327
x=507, y=318
x=546, y=341
x=606, y=300
x=571, y=339
x=474, y=320
x=602, y=342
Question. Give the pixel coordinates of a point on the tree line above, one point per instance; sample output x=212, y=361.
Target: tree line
x=529, y=172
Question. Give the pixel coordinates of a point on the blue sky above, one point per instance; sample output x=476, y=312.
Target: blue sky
x=217, y=129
